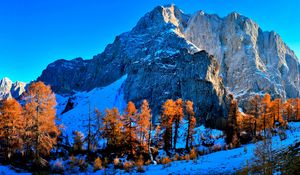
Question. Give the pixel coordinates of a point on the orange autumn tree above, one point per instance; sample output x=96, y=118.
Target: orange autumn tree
x=265, y=118
x=191, y=123
x=169, y=111
x=246, y=124
x=177, y=119
x=144, y=126
x=288, y=109
x=157, y=137
x=40, y=115
x=277, y=111
x=129, y=120
x=232, y=129
x=11, y=126
x=255, y=110
x=112, y=129
x=297, y=109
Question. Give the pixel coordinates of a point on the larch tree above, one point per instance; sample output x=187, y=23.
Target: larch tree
x=169, y=111
x=277, y=111
x=297, y=109
x=177, y=119
x=11, y=126
x=91, y=128
x=246, y=123
x=232, y=132
x=112, y=129
x=78, y=139
x=40, y=114
x=255, y=110
x=288, y=109
x=98, y=123
x=191, y=123
x=144, y=126
x=265, y=117
x=130, y=127
x=157, y=137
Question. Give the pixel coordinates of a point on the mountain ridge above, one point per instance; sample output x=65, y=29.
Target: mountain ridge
x=251, y=61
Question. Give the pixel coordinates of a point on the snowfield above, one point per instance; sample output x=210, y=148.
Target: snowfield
x=100, y=98
x=6, y=170
x=225, y=162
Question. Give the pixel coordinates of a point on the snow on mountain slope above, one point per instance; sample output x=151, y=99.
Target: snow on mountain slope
x=100, y=98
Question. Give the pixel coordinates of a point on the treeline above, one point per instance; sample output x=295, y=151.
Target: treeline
x=261, y=114
x=131, y=133
x=133, y=136
x=29, y=131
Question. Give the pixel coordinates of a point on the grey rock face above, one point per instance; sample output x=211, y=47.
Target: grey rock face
x=8, y=89
x=251, y=60
x=65, y=76
x=192, y=77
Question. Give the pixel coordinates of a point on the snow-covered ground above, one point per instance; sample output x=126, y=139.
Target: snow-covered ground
x=6, y=170
x=100, y=98
x=224, y=162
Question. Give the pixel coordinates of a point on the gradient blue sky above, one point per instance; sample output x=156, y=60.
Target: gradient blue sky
x=34, y=33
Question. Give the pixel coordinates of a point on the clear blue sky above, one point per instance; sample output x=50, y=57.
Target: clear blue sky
x=34, y=33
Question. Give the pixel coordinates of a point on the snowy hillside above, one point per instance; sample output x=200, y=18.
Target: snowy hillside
x=100, y=98
x=222, y=162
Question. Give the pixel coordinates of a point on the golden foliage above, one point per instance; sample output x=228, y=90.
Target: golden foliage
x=193, y=154
x=144, y=126
x=128, y=166
x=140, y=164
x=166, y=160
x=11, y=125
x=191, y=123
x=112, y=128
x=40, y=115
x=97, y=164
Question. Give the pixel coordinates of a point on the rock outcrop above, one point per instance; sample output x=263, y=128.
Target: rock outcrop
x=192, y=77
x=8, y=89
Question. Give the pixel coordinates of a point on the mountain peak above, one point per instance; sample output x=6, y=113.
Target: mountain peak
x=5, y=79
x=9, y=89
x=238, y=44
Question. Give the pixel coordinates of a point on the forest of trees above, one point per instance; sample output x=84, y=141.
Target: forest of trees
x=29, y=130
x=29, y=133
x=261, y=114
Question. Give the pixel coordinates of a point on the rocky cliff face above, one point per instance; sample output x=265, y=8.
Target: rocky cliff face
x=8, y=89
x=192, y=77
x=251, y=60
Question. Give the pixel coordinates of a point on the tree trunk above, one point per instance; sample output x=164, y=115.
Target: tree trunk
x=188, y=135
x=149, y=143
x=176, y=133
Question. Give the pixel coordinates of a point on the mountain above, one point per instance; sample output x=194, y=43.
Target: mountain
x=8, y=89
x=248, y=61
